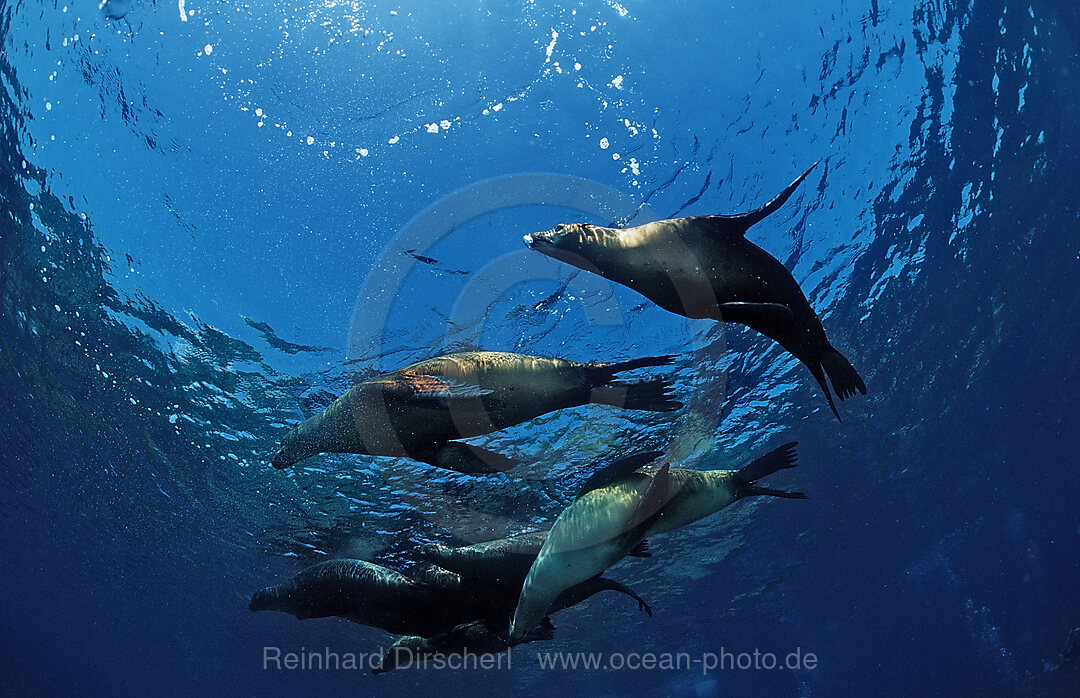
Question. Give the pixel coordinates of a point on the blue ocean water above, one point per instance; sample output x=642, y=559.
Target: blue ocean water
x=215, y=215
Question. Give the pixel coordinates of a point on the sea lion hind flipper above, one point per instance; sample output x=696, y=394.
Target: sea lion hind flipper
x=756, y=491
x=620, y=467
x=603, y=373
x=843, y=376
x=464, y=458
x=819, y=376
x=757, y=314
x=748, y=219
x=656, y=395
x=778, y=459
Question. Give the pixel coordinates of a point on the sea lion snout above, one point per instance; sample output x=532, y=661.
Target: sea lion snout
x=290, y=450
x=281, y=459
x=262, y=600
x=541, y=240
x=568, y=236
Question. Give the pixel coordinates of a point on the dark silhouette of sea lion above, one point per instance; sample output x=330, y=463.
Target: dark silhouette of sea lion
x=419, y=410
x=372, y=595
x=704, y=267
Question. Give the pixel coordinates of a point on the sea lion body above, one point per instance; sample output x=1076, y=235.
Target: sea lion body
x=435, y=606
x=704, y=267
x=597, y=530
x=605, y=522
x=696, y=494
x=369, y=594
x=418, y=410
x=502, y=561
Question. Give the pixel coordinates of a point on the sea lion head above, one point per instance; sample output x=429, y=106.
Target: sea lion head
x=569, y=242
x=286, y=598
x=287, y=452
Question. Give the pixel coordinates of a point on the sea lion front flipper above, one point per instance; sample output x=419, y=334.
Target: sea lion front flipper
x=643, y=605
x=620, y=467
x=464, y=458
x=757, y=314
x=423, y=390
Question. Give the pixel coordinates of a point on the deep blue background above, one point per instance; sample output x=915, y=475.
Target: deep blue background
x=146, y=213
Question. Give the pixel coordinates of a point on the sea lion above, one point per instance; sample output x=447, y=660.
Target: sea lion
x=373, y=595
x=502, y=561
x=590, y=535
x=704, y=267
x=618, y=509
x=418, y=410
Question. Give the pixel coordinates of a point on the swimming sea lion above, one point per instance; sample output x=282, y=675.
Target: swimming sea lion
x=418, y=410
x=609, y=518
x=372, y=595
x=502, y=561
x=590, y=535
x=704, y=267
x=369, y=594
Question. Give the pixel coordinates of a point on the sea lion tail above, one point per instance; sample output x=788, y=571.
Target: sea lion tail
x=777, y=459
x=656, y=395
x=751, y=217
